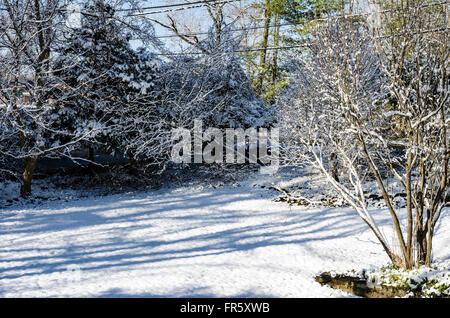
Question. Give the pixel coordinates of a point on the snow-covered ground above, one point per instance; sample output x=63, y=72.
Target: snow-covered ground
x=185, y=242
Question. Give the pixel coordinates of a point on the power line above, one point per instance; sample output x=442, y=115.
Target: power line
x=169, y=7
x=300, y=45
x=437, y=30
x=175, y=5
x=197, y=4
x=237, y=51
x=231, y=30
x=311, y=21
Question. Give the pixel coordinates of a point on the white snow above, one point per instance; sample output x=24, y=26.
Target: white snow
x=185, y=242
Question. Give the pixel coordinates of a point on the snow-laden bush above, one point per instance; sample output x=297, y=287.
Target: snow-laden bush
x=210, y=87
x=106, y=78
x=64, y=87
x=365, y=106
x=426, y=281
x=30, y=112
x=213, y=87
x=85, y=86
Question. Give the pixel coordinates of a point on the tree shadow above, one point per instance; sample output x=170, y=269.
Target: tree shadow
x=97, y=234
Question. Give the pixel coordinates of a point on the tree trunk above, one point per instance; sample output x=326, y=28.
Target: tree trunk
x=275, y=53
x=387, y=200
x=30, y=165
x=409, y=206
x=429, y=242
x=421, y=247
x=424, y=237
x=265, y=40
x=334, y=170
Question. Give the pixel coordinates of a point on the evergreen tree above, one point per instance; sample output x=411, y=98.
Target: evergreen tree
x=106, y=75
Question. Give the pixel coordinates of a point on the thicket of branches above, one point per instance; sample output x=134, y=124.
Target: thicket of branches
x=64, y=87
x=365, y=100
x=369, y=101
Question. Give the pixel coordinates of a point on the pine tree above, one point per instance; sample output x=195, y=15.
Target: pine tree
x=106, y=74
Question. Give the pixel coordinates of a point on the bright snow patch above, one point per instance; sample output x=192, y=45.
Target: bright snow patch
x=224, y=242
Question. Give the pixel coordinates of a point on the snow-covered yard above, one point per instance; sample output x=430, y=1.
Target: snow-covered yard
x=185, y=242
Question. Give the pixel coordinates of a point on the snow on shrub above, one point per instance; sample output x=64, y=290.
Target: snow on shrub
x=424, y=280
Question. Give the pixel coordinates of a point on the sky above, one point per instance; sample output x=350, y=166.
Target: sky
x=195, y=17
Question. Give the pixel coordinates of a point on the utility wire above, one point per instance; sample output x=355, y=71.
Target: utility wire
x=302, y=45
x=231, y=30
x=186, y=7
x=237, y=51
x=204, y=2
x=311, y=21
x=196, y=4
x=169, y=7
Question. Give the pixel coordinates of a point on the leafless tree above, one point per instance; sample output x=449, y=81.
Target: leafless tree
x=29, y=31
x=45, y=112
x=377, y=101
